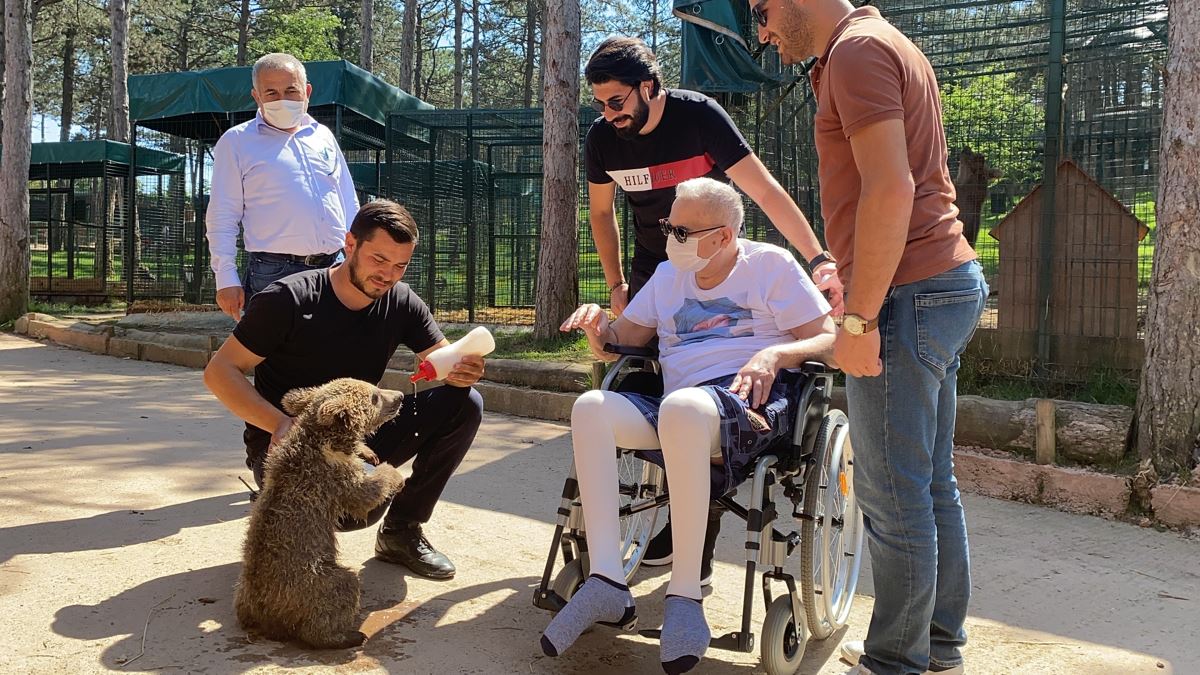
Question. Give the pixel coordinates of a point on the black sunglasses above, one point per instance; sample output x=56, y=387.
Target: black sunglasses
x=758, y=11
x=615, y=107
x=681, y=233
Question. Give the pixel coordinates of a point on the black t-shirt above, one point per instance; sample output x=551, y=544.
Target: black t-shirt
x=307, y=337
x=694, y=138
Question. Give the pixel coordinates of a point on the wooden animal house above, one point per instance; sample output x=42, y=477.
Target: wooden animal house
x=1094, y=288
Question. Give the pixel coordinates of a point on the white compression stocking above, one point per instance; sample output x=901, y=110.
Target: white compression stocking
x=689, y=427
x=602, y=421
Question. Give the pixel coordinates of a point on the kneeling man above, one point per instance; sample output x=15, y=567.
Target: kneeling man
x=346, y=321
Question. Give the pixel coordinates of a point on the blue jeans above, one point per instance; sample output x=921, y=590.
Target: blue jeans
x=264, y=269
x=902, y=431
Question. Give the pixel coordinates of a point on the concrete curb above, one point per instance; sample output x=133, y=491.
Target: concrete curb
x=1064, y=488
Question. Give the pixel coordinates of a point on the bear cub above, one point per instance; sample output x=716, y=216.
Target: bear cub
x=291, y=585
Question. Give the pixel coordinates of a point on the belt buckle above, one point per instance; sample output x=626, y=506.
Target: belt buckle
x=315, y=259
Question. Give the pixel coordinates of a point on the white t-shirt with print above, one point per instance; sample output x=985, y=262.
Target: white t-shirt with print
x=705, y=334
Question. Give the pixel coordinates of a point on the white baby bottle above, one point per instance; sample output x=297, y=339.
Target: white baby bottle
x=478, y=342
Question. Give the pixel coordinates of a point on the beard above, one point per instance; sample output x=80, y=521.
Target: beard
x=637, y=120
x=795, y=34
x=361, y=282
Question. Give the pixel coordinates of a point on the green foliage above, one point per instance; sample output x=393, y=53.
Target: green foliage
x=308, y=33
x=996, y=115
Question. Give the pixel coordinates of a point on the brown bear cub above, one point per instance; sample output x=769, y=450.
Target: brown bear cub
x=292, y=587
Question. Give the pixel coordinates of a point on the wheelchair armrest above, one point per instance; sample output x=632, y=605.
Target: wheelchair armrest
x=806, y=369
x=629, y=350
x=815, y=368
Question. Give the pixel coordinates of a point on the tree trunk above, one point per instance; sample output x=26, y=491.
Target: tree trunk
x=458, y=53
x=408, y=44
x=3, y=30
x=118, y=130
x=557, y=279
x=474, y=53
x=366, y=53
x=531, y=9
x=418, y=57
x=14, y=163
x=68, y=87
x=118, y=15
x=1169, y=396
x=243, y=25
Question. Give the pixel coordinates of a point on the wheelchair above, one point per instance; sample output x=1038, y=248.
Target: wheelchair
x=815, y=469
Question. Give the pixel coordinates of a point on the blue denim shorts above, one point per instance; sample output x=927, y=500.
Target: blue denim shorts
x=745, y=434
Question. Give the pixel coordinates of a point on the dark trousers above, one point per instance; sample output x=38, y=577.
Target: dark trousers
x=264, y=269
x=436, y=437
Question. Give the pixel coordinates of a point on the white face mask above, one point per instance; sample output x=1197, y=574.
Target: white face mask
x=683, y=256
x=284, y=114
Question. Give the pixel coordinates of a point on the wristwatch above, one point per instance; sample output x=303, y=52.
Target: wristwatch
x=856, y=325
x=820, y=259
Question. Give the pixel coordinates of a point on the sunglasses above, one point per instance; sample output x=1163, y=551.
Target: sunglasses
x=615, y=107
x=759, y=12
x=681, y=234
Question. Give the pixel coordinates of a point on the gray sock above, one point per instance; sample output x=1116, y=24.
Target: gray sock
x=685, y=634
x=599, y=600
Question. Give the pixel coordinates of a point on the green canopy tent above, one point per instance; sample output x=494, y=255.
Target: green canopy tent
x=78, y=236
x=201, y=105
x=192, y=109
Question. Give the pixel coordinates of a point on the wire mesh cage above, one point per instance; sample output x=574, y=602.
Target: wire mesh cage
x=473, y=181
x=84, y=246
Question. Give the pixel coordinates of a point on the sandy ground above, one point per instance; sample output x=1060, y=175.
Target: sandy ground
x=121, y=519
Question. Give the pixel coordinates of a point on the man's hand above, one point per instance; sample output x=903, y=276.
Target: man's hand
x=753, y=382
x=231, y=300
x=619, y=298
x=826, y=278
x=858, y=355
x=281, y=429
x=593, y=321
x=466, y=372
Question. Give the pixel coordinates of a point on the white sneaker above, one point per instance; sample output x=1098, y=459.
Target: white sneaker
x=858, y=670
x=853, y=650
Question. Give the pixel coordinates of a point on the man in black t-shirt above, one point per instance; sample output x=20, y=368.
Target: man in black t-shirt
x=648, y=140
x=347, y=321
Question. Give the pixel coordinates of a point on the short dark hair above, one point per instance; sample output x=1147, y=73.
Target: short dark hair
x=625, y=59
x=386, y=215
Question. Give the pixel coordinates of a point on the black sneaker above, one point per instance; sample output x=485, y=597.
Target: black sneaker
x=405, y=544
x=659, y=551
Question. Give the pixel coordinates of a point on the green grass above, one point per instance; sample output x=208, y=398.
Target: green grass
x=519, y=343
x=62, y=309
x=1011, y=382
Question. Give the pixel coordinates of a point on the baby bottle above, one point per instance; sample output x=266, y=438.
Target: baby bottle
x=478, y=342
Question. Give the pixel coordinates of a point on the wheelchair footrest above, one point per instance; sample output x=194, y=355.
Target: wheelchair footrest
x=548, y=600
x=731, y=642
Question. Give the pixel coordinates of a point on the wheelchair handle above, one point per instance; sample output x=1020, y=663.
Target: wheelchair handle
x=629, y=350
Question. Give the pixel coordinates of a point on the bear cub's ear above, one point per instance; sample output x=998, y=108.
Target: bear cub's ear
x=297, y=400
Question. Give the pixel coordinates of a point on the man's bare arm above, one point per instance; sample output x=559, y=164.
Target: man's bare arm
x=225, y=377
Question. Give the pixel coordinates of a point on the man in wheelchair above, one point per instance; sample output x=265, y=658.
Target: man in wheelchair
x=729, y=314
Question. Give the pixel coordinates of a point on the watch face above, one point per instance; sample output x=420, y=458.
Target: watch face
x=853, y=324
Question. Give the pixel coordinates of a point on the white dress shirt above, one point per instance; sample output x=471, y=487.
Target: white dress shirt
x=290, y=192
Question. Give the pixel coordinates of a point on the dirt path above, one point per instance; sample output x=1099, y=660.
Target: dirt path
x=121, y=517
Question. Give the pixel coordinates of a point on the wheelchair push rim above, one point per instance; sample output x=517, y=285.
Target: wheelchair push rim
x=639, y=481
x=840, y=546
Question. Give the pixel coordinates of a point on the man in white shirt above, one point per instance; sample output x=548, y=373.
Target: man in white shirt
x=282, y=177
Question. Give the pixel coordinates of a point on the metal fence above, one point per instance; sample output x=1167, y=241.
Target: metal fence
x=85, y=247
x=473, y=181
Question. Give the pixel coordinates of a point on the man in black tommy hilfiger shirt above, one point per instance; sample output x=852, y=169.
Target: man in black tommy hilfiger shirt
x=650, y=139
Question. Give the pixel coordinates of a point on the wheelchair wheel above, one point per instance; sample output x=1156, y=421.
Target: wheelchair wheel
x=640, y=481
x=569, y=579
x=831, y=537
x=784, y=637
